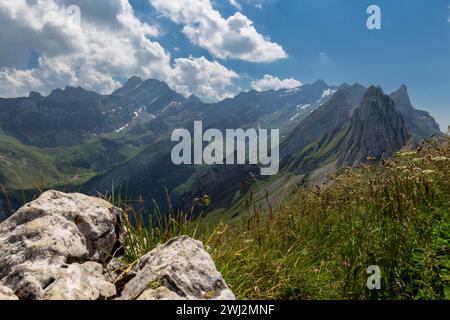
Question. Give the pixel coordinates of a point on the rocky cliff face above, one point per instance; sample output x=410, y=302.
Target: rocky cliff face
x=376, y=130
x=302, y=151
x=59, y=247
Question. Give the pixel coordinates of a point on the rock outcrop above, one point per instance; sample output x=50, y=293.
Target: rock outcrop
x=59, y=247
x=179, y=269
x=40, y=243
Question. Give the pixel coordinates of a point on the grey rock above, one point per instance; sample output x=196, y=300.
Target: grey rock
x=58, y=248
x=179, y=269
x=376, y=130
x=41, y=241
x=81, y=282
x=7, y=294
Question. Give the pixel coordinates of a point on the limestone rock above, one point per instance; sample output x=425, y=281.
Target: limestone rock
x=81, y=282
x=41, y=240
x=179, y=269
x=7, y=294
x=59, y=246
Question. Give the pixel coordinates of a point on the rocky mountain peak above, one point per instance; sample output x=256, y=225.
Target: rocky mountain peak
x=419, y=122
x=35, y=95
x=71, y=94
x=376, y=130
x=320, y=83
x=129, y=86
x=402, y=100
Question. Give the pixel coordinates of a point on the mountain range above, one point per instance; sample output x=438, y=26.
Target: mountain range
x=81, y=140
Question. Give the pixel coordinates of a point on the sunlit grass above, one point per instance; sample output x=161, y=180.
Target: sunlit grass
x=318, y=245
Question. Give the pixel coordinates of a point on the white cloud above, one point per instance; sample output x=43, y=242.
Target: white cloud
x=232, y=38
x=273, y=83
x=210, y=81
x=110, y=44
x=235, y=4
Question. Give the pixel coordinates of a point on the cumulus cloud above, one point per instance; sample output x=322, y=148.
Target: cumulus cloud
x=211, y=81
x=274, y=83
x=111, y=43
x=232, y=38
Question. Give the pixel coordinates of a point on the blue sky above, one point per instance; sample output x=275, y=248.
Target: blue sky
x=328, y=39
x=216, y=48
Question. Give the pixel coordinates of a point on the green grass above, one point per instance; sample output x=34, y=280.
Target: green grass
x=320, y=242
x=25, y=167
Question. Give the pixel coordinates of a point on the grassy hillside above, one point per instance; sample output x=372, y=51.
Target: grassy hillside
x=320, y=242
x=25, y=167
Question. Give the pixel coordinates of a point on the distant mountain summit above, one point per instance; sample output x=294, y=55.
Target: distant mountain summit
x=73, y=115
x=128, y=87
x=72, y=94
x=420, y=123
x=376, y=130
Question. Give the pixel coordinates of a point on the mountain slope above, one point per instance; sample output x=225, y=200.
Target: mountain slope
x=151, y=171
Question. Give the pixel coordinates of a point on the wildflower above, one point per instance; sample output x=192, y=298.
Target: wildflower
x=206, y=200
x=427, y=172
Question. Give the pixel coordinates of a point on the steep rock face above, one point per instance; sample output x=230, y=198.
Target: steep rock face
x=321, y=126
x=58, y=247
x=421, y=123
x=376, y=130
x=179, y=269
